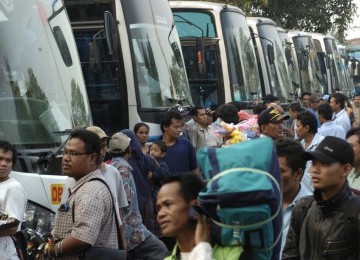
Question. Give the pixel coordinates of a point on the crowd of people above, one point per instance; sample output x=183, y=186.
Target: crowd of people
x=141, y=200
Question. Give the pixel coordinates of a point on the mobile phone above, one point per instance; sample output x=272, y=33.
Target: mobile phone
x=192, y=214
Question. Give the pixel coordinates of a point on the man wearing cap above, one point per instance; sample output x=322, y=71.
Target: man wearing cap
x=141, y=243
x=109, y=173
x=270, y=123
x=340, y=117
x=325, y=99
x=326, y=225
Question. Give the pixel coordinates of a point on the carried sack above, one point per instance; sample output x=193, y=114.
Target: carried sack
x=243, y=196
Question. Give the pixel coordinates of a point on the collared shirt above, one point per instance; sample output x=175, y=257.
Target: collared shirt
x=354, y=179
x=135, y=231
x=342, y=119
x=202, y=137
x=113, y=180
x=306, y=179
x=90, y=216
x=332, y=129
x=303, y=192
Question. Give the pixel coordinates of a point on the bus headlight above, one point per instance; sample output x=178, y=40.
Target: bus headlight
x=38, y=220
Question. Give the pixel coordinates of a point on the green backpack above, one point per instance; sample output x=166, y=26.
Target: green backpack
x=243, y=196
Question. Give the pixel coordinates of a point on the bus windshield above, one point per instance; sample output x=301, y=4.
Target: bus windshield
x=241, y=57
x=290, y=55
x=42, y=91
x=311, y=77
x=277, y=70
x=334, y=59
x=159, y=68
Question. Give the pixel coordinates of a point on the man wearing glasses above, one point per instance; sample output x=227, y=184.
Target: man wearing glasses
x=87, y=218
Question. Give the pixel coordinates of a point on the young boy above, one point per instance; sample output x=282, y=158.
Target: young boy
x=158, y=151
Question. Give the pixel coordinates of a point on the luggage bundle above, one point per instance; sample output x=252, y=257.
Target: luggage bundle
x=243, y=196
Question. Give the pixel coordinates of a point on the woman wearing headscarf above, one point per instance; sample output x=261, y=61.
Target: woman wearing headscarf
x=142, y=164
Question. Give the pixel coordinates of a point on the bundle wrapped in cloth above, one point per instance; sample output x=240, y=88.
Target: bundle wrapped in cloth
x=7, y=222
x=246, y=129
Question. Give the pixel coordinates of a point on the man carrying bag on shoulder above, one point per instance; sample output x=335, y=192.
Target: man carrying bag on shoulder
x=86, y=225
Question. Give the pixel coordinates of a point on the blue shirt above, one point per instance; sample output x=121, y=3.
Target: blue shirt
x=332, y=129
x=181, y=157
x=135, y=231
x=303, y=192
x=312, y=111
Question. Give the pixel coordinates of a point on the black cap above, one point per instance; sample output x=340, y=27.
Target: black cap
x=270, y=115
x=332, y=149
x=184, y=111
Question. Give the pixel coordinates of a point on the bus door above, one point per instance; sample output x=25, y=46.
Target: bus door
x=103, y=72
x=201, y=57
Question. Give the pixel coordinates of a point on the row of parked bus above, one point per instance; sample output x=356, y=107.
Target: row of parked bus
x=69, y=64
x=351, y=54
x=231, y=57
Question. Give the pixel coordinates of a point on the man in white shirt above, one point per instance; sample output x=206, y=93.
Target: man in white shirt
x=340, y=116
x=329, y=127
x=270, y=123
x=12, y=200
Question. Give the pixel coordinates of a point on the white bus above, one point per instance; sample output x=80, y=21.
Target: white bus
x=311, y=78
x=291, y=59
x=352, y=51
x=331, y=62
x=218, y=52
x=42, y=97
x=275, y=76
x=131, y=59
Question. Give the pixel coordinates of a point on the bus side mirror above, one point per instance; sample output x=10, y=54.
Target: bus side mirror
x=111, y=35
x=270, y=53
